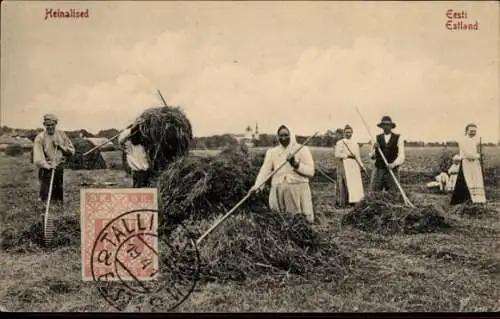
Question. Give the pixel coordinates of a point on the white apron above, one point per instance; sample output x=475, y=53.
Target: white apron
x=474, y=180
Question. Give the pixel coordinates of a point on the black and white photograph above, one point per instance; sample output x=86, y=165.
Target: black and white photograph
x=250, y=156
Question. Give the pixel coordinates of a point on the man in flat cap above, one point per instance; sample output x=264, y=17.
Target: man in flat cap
x=50, y=149
x=393, y=148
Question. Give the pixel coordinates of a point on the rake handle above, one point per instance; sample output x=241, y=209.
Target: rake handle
x=362, y=167
x=198, y=241
x=326, y=175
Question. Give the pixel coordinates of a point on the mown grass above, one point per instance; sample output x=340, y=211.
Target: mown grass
x=457, y=269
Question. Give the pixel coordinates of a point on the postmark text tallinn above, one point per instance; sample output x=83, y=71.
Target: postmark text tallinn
x=66, y=13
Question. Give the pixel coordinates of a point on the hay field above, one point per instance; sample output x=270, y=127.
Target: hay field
x=457, y=269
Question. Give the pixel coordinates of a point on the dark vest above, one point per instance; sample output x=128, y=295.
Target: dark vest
x=390, y=150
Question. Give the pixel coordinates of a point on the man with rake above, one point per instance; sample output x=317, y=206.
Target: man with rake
x=290, y=191
x=393, y=148
x=50, y=149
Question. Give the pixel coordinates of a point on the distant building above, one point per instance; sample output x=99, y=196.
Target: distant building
x=247, y=139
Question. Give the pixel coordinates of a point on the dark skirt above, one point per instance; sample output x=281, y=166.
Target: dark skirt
x=341, y=195
x=141, y=179
x=461, y=192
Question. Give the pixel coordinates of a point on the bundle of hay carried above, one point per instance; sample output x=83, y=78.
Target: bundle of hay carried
x=386, y=214
x=262, y=242
x=166, y=134
x=93, y=160
x=200, y=187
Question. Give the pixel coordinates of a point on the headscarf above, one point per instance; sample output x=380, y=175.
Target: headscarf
x=456, y=157
x=469, y=126
x=293, y=139
x=50, y=119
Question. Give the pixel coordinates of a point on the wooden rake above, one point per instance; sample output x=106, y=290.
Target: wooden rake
x=48, y=224
x=217, y=223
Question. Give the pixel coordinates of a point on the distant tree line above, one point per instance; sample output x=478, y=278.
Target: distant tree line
x=327, y=139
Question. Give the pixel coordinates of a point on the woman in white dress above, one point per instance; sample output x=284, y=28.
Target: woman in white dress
x=290, y=191
x=469, y=186
x=350, y=188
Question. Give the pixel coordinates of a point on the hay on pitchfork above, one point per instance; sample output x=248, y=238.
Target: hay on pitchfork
x=201, y=187
x=166, y=134
x=385, y=213
x=262, y=242
x=93, y=160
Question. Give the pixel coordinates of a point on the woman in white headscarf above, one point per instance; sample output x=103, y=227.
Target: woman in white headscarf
x=290, y=191
x=469, y=185
x=350, y=184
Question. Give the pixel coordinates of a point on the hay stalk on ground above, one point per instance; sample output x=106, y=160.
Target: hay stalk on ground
x=261, y=242
x=385, y=213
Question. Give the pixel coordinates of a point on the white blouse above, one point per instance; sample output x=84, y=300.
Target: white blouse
x=468, y=148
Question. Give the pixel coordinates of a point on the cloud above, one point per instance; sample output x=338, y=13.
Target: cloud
x=316, y=91
x=105, y=105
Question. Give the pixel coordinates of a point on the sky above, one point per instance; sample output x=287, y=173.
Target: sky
x=233, y=64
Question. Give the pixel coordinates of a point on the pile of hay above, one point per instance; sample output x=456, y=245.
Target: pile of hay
x=259, y=242
x=66, y=233
x=13, y=150
x=474, y=210
x=385, y=213
x=93, y=160
x=166, y=134
x=200, y=187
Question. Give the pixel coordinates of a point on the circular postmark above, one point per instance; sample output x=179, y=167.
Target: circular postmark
x=135, y=269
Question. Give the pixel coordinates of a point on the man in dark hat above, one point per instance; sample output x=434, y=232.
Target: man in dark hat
x=392, y=146
x=50, y=149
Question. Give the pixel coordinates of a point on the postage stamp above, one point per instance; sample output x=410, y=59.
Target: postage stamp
x=126, y=244
x=134, y=268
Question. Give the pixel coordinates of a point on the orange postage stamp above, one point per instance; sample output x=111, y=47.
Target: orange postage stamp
x=119, y=234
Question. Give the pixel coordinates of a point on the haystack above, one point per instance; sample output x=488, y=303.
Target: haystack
x=386, y=213
x=200, y=187
x=93, y=160
x=13, y=150
x=166, y=134
x=262, y=242
x=31, y=237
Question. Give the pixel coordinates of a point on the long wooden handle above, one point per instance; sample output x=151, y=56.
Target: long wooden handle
x=111, y=139
x=405, y=198
x=326, y=175
x=360, y=165
x=101, y=145
x=250, y=193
